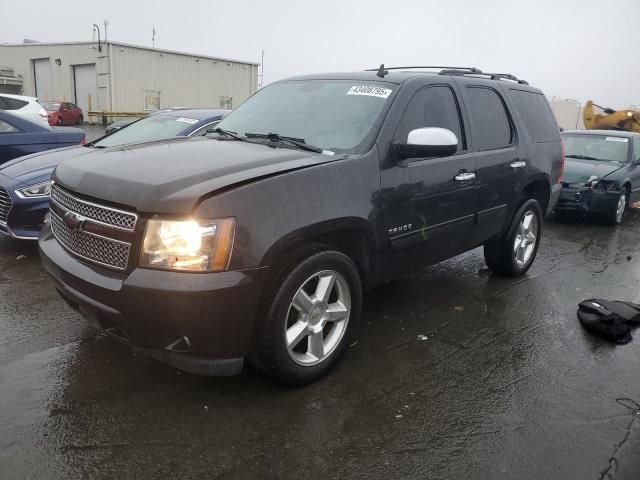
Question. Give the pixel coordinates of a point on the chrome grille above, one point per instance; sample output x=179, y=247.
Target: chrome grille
x=5, y=205
x=105, y=215
x=102, y=250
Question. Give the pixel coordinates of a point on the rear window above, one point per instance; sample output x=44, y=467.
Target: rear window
x=50, y=106
x=12, y=103
x=490, y=118
x=537, y=116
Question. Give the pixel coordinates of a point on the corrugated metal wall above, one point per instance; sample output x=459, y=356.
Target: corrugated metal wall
x=182, y=80
x=20, y=58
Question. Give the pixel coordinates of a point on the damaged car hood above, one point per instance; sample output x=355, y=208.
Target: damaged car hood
x=172, y=175
x=581, y=171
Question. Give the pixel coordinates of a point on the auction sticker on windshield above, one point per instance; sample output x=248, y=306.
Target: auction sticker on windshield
x=616, y=139
x=370, y=91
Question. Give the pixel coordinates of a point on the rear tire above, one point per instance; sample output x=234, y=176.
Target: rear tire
x=616, y=215
x=309, y=322
x=513, y=253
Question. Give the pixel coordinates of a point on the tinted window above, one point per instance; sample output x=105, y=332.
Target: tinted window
x=13, y=103
x=432, y=107
x=490, y=118
x=537, y=116
x=7, y=127
x=637, y=148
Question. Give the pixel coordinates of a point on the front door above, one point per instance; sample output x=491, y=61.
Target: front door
x=429, y=204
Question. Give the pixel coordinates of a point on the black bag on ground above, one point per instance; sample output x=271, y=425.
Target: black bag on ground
x=611, y=320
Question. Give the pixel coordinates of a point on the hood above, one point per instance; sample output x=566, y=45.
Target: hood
x=580, y=171
x=172, y=175
x=37, y=167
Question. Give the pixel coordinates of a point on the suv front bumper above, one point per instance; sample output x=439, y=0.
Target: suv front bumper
x=199, y=323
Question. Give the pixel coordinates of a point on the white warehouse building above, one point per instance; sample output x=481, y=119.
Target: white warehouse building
x=119, y=77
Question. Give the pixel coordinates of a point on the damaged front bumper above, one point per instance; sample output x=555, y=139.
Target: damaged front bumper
x=587, y=199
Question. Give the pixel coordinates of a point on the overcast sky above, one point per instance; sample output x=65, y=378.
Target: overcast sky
x=581, y=49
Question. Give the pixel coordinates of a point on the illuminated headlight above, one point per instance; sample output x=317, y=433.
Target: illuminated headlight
x=190, y=245
x=34, y=191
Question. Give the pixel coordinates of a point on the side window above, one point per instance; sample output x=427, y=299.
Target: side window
x=434, y=106
x=3, y=106
x=537, y=116
x=637, y=148
x=7, y=127
x=13, y=103
x=490, y=118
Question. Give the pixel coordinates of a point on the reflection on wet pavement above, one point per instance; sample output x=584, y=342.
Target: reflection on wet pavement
x=456, y=374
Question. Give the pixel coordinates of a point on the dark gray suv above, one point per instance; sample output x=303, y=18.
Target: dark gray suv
x=257, y=241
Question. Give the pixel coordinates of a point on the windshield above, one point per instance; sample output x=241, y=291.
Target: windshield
x=50, y=106
x=339, y=116
x=156, y=127
x=596, y=147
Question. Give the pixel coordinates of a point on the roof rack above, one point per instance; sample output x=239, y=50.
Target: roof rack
x=382, y=71
x=479, y=73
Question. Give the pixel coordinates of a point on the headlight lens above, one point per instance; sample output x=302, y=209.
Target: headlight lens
x=33, y=191
x=189, y=245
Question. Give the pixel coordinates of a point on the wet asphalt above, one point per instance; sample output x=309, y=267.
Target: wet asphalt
x=456, y=374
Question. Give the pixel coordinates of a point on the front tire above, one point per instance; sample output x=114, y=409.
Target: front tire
x=513, y=253
x=59, y=121
x=310, y=321
x=617, y=212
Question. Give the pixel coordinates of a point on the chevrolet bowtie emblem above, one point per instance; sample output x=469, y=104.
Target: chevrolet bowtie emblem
x=74, y=221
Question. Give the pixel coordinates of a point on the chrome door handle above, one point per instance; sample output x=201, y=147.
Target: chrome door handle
x=464, y=176
x=518, y=164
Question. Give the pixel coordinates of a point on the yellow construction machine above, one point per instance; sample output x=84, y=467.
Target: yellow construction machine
x=609, y=119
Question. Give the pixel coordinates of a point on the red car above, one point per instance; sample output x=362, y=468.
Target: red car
x=63, y=113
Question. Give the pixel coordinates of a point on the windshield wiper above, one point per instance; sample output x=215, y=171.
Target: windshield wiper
x=297, y=142
x=227, y=133
x=583, y=157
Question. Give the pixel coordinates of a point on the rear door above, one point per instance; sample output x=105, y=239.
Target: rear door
x=429, y=203
x=16, y=143
x=499, y=165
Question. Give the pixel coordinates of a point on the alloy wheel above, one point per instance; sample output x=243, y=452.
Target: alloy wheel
x=622, y=203
x=526, y=237
x=317, y=318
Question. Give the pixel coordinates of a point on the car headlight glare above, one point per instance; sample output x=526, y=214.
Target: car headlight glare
x=42, y=189
x=189, y=245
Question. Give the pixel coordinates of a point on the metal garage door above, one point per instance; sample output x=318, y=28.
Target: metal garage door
x=42, y=77
x=86, y=85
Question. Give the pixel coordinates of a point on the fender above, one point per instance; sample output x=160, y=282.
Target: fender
x=357, y=225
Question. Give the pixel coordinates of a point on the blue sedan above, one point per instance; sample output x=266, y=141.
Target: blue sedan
x=20, y=136
x=26, y=181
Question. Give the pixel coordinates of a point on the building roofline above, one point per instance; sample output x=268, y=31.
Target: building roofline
x=130, y=45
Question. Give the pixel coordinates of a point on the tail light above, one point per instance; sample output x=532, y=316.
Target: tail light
x=83, y=141
x=561, y=163
x=43, y=113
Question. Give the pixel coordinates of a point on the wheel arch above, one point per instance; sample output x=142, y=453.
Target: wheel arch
x=352, y=236
x=538, y=188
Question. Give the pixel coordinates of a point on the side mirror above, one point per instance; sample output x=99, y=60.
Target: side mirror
x=427, y=142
